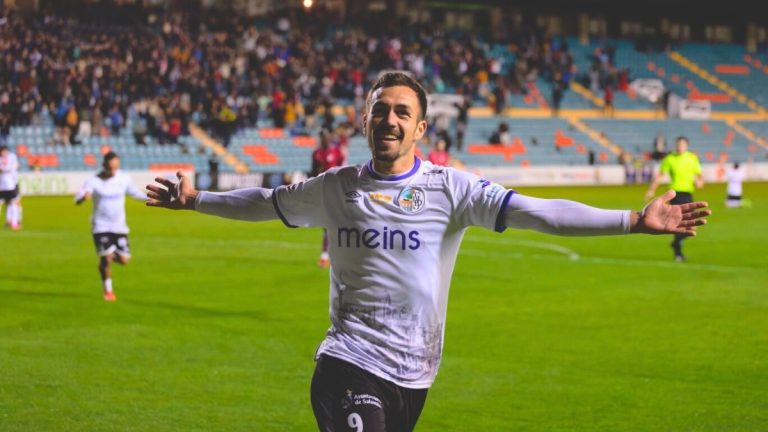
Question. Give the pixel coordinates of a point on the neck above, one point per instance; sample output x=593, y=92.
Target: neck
x=400, y=166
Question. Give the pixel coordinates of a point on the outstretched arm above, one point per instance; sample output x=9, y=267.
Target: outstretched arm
x=83, y=194
x=81, y=197
x=251, y=204
x=135, y=192
x=570, y=218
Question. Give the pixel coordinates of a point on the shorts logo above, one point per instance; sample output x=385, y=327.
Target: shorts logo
x=352, y=399
x=412, y=200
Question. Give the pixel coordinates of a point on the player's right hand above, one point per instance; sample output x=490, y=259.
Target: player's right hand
x=172, y=195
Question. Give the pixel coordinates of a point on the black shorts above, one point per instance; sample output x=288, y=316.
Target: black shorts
x=682, y=198
x=347, y=398
x=108, y=243
x=8, y=195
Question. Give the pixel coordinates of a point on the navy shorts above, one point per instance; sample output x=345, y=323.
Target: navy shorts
x=347, y=398
x=8, y=195
x=108, y=243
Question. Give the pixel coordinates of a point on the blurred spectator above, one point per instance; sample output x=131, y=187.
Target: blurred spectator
x=461, y=121
x=608, y=100
x=501, y=135
x=439, y=154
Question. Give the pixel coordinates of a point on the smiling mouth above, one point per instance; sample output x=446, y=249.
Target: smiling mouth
x=389, y=137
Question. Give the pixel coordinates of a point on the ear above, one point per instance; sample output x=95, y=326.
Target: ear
x=365, y=122
x=421, y=128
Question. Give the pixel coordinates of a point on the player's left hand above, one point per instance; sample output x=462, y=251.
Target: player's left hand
x=660, y=217
x=172, y=195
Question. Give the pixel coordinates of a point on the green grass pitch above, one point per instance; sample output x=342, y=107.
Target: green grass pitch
x=217, y=321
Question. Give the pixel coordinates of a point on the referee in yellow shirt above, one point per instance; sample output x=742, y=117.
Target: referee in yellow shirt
x=684, y=171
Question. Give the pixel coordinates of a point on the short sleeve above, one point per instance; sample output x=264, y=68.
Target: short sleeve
x=480, y=202
x=697, y=165
x=87, y=187
x=301, y=204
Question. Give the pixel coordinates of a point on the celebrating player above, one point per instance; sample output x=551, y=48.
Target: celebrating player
x=9, y=187
x=395, y=225
x=110, y=232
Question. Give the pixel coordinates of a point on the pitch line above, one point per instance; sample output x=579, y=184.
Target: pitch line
x=602, y=260
x=570, y=253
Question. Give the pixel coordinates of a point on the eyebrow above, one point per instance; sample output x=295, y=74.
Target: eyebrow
x=397, y=106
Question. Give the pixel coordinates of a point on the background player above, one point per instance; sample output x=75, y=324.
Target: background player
x=684, y=170
x=110, y=231
x=735, y=177
x=9, y=187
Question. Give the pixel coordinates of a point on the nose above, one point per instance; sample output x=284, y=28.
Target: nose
x=391, y=118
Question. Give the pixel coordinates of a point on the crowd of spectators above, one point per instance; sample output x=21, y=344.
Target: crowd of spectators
x=227, y=71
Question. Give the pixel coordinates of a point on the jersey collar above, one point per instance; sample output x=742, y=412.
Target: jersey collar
x=375, y=176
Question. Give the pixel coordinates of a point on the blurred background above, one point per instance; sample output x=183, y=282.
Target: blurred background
x=547, y=92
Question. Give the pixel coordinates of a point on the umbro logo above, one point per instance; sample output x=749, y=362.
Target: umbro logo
x=352, y=196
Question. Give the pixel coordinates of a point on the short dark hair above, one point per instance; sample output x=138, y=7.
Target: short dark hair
x=108, y=156
x=392, y=79
x=682, y=137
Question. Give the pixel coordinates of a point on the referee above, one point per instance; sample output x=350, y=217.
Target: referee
x=684, y=171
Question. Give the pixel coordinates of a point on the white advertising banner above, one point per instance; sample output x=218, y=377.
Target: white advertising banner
x=695, y=109
x=69, y=182
x=555, y=175
x=445, y=104
x=649, y=88
x=568, y=175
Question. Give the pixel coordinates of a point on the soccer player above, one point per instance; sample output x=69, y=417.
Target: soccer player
x=395, y=225
x=735, y=177
x=110, y=232
x=684, y=170
x=9, y=187
x=325, y=157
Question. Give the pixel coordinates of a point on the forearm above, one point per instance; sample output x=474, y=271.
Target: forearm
x=566, y=218
x=81, y=196
x=653, y=186
x=249, y=204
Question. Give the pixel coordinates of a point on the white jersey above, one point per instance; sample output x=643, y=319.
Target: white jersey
x=9, y=172
x=393, y=246
x=735, y=179
x=109, y=201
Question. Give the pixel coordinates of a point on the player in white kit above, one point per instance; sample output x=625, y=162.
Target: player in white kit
x=110, y=231
x=735, y=177
x=9, y=187
x=395, y=225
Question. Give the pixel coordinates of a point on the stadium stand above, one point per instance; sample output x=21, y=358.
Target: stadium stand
x=713, y=141
x=734, y=65
x=260, y=91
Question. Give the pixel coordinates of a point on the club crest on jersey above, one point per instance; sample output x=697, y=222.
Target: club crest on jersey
x=412, y=200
